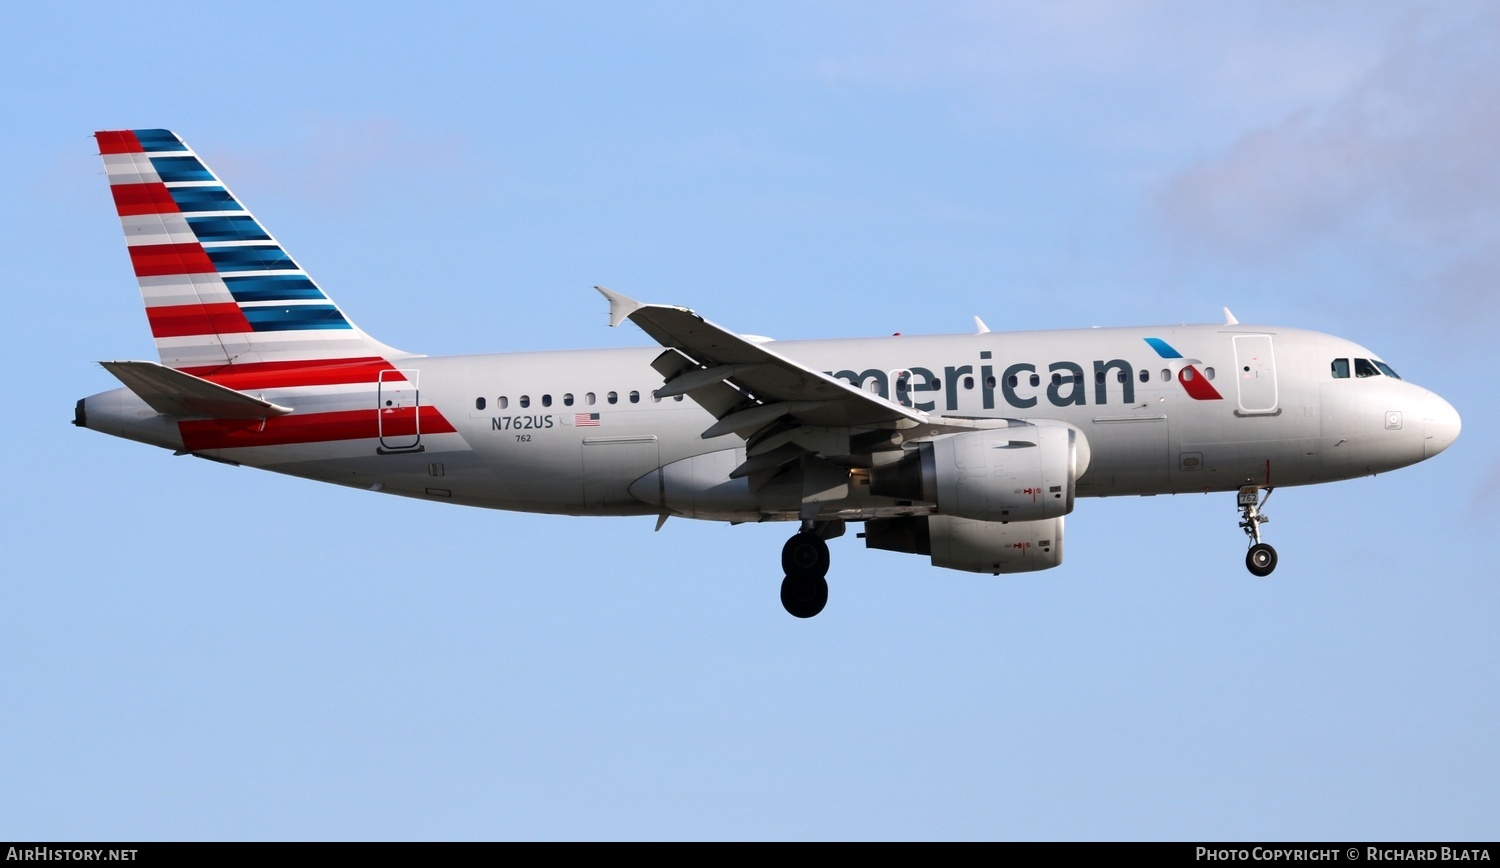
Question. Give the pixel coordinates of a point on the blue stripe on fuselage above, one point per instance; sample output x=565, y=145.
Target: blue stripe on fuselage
x=1163, y=348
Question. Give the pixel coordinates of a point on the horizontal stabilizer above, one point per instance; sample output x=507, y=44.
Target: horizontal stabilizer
x=174, y=393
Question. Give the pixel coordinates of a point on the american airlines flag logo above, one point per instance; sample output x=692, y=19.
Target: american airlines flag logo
x=586, y=420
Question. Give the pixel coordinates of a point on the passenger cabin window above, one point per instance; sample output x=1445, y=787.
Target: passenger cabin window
x=968, y=382
x=635, y=397
x=1036, y=380
x=1209, y=373
x=1145, y=376
x=567, y=399
x=478, y=403
x=546, y=400
x=525, y=401
x=588, y=398
x=502, y=402
x=1341, y=369
x=1363, y=368
x=612, y=397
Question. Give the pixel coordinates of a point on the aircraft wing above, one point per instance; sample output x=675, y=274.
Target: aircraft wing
x=782, y=408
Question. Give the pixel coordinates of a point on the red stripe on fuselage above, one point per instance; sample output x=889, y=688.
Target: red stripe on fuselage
x=315, y=372
x=133, y=199
x=182, y=320
x=118, y=142
x=1198, y=387
x=153, y=260
x=201, y=434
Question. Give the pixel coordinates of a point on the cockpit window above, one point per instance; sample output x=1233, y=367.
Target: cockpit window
x=1341, y=369
x=1385, y=369
x=1363, y=368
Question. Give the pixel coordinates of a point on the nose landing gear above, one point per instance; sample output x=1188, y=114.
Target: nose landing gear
x=1261, y=559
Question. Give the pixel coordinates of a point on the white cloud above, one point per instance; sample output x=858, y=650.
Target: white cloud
x=1401, y=166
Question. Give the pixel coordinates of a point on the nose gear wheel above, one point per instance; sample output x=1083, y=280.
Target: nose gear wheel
x=1261, y=559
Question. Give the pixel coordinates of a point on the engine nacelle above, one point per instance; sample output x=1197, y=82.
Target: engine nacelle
x=1022, y=473
x=974, y=546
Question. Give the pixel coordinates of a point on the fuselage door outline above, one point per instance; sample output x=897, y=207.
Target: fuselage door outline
x=397, y=412
x=1255, y=374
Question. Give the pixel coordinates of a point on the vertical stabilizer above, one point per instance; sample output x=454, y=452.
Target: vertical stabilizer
x=219, y=290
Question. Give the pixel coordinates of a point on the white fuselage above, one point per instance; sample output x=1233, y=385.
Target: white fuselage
x=519, y=430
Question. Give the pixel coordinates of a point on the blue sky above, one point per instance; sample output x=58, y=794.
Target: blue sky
x=190, y=651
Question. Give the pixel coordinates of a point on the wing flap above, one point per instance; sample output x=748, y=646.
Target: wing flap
x=717, y=397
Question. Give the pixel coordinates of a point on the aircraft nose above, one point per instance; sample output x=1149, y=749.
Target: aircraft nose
x=1441, y=424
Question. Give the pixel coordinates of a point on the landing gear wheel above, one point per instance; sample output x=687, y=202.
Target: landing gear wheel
x=805, y=556
x=1261, y=559
x=804, y=597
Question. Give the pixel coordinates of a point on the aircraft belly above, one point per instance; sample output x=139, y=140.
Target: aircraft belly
x=1225, y=466
x=700, y=487
x=1129, y=455
x=544, y=471
x=612, y=463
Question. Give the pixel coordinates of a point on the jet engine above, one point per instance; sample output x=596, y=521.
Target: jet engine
x=993, y=547
x=1020, y=473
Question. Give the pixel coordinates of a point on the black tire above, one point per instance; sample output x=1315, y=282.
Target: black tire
x=1260, y=560
x=804, y=598
x=805, y=556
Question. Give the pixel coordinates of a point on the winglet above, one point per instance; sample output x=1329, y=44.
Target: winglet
x=1229, y=318
x=620, y=306
x=979, y=327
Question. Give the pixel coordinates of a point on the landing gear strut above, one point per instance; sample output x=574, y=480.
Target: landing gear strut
x=1261, y=559
x=804, y=559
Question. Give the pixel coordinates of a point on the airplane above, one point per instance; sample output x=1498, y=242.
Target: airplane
x=969, y=449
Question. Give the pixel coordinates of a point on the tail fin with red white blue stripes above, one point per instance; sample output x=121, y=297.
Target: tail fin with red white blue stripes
x=220, y=292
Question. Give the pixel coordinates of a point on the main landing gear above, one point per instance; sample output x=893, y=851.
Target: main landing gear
x=804, y=560
x=1261, y=559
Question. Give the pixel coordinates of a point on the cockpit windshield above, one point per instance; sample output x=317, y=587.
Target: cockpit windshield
x=1362, y=368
